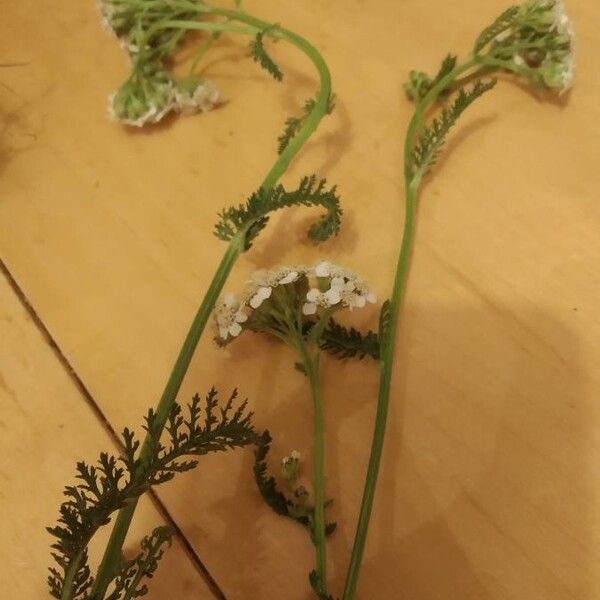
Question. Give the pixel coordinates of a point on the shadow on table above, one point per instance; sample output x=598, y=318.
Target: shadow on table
x=484, y=489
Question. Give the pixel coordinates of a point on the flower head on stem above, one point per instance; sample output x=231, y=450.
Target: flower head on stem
x=537, y=42
x=289, y=301
x=295, y=304
x=290, y=466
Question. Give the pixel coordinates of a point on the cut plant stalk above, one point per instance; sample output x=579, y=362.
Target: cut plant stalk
x=513, y=43
x=112, y=555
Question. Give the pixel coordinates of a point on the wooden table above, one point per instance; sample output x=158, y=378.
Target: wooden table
x=490, y=482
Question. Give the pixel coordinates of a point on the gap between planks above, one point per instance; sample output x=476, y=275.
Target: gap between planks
x=106, y=425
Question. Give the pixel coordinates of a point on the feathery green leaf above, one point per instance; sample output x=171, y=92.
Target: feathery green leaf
x=432, y=138
x=349, y=343
x=446, y=67
x=253, y=216
x=277, y=500
x=419, y=83
x=502, y=23
x=294, y=124
x=259, y=55
x=106, y=487
x=128, y=582
x=267, y=486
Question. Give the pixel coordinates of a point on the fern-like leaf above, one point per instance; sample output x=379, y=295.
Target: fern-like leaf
x=253, y=216
x=502, y=23
x=107, y=486
x=294, y=124
x=432, y=138
x=276, y=499
x=267, y=486
x=419, y=83
x=260, y=56
x=446, y=67
x=128, y=582
x=349, y=343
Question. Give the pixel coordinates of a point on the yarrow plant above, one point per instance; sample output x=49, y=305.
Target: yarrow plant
x=322, y=287
x=535, y=41
x=150, y=31
x=296, y=304
x=151, y=92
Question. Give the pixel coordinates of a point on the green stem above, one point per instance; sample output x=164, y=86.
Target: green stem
x=112, y=554
x=412, y=183
x=323, y=95
x=311, y=365
x=387, y=356
x=111, y=559
x=204, y=48
x=207, y=26
x=67, y=589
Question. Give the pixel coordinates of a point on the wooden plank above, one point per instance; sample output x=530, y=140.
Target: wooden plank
x=46, y=427
x=490, y=482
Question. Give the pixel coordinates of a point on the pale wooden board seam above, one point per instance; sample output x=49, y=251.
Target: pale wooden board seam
x=105, y=424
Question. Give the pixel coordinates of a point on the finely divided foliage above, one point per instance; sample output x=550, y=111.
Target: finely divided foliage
x=106, y=487
x=259, y=55
x=502, y=23
x=267, y=486
x=445, y=69
x=343, y=343
x=276, y=499
x=432, y=137
x=294, y=124
x=253, y=216
x=128, y=583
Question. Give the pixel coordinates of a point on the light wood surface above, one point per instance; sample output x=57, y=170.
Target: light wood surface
x=490, y=484
x=46, y=427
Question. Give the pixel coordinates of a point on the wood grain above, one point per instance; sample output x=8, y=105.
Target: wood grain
x=46, y=427
x=490, y=483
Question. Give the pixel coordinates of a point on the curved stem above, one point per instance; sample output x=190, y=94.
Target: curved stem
x=112, y=554
x=416, y=123
x=322, y=102
x=412, y=182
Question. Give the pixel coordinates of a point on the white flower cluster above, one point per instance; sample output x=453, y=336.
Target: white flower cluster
x=263, y=281
x=107, y=12
x=150, y=93
x=345, y=288
x=564, y=27
x=329, y=286
x=204, y=98
x=294, y=456
x=112, y=19
x=228, y=314
x=290, y=466
x=548, y=18
x=167, y=99
x=562, y=22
